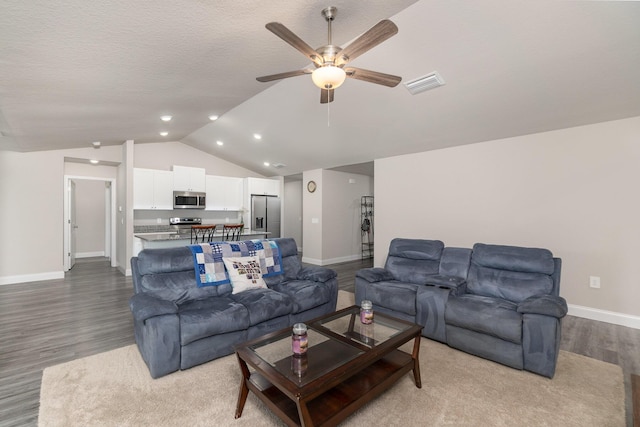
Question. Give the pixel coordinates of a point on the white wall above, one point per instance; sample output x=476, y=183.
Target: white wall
x=341, y=234
x=312, y=218
x=31, y=192
x=573, y=191
x=335, y=237
x=163, y=155
x=31, y=212
x=292, y=211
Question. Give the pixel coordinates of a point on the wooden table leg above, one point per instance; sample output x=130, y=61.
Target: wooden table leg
x=303, y=413
x=244, y=389
x=416, y=361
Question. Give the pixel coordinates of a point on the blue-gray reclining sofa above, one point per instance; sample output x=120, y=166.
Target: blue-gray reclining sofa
x=178, y=325
x=498, y=302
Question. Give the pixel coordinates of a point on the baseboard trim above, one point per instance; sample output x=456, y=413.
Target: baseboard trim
x=621, y=319
x=37, y=277
x=323, y=262
x=126, y=272
x=89, y=254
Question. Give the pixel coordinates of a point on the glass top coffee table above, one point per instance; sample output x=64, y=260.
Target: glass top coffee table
x=347, y=364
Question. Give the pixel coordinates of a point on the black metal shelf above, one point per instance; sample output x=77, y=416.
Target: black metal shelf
x=366, y=226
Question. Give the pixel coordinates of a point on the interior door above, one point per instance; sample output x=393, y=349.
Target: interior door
x=73, y=226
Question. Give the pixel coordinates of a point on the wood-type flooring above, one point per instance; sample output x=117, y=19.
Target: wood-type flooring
x=50, y=322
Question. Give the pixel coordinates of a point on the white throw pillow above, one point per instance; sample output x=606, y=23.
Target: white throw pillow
x=244, y=273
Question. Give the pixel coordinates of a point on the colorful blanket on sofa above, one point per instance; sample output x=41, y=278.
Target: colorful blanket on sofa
x=209, y=267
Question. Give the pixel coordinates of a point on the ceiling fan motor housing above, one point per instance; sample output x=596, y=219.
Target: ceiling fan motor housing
x=329, y=54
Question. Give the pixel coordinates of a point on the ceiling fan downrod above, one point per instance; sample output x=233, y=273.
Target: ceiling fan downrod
x=329, y=15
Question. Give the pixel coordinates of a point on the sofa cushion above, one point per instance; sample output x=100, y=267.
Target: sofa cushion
x=291, y=263
x=179, y=287
x=510, y=272
x=305, y=294
x=211, y=316
x=165, y=260
x=513, y=258
x=491, y=316
x=264, y=304
x=413, y=260
x=244, y=273
x=510, y=285
x=455, y=262
x=397, y=296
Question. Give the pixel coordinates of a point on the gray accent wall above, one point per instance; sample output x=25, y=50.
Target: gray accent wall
x=573, y=191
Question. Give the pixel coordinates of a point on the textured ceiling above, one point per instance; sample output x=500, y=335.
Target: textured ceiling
x=73, y=71
x=77, y=71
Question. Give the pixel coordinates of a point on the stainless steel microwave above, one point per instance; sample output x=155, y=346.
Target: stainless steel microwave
x=189, y=200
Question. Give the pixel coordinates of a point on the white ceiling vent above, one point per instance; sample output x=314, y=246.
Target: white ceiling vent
x=421, y=84
x=279, y=165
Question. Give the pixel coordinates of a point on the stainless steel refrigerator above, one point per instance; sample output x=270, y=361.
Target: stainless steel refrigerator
x=265, y=211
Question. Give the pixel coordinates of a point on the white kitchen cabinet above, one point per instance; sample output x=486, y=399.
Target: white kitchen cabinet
x=152, y=189
x=263, y=186
x=189, y=179
x=224, y=193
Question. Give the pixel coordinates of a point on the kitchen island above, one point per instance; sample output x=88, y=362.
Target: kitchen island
x=174, y=238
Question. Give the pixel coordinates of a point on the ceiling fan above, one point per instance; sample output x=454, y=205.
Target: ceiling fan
x=330, y=60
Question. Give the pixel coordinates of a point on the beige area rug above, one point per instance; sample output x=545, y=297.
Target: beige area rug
x=115, y=389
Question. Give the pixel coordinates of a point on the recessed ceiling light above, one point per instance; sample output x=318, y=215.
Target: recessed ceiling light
x=94, y=162
x=220, y=143
x=267, y=163
x=257, y=136
x=213, y=117
x=96, y=144
x=166, y=118
x=164, y=133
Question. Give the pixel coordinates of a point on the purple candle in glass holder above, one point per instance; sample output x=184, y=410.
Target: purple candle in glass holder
x=366, y=312
x=299, y=341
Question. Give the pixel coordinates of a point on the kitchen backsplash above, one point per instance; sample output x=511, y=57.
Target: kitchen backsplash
x=161, y=218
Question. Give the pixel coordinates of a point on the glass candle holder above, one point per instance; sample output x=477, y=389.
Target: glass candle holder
x=299, y=341
x=299, y=365
x=366, y=312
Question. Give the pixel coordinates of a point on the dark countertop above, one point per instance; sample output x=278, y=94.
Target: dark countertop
x=168, y=235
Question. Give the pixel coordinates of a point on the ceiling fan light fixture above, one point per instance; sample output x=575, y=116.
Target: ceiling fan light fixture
x=328, y=77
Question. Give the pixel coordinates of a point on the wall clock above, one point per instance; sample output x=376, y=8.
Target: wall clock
x=311, y=186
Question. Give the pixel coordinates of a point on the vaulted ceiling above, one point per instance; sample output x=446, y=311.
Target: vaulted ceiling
x=75, y=72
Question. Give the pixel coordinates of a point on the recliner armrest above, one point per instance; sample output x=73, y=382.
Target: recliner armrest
x=548, y=305
x=457, y=285
x=316, y=274
x=144, y=306
x=375, y=274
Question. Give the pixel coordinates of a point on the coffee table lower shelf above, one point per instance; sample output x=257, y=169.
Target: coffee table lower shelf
x=337, y=403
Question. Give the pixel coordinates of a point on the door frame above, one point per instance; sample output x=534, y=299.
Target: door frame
x=110, y=217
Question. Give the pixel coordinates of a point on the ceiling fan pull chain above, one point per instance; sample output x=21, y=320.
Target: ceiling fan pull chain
x=328, y=116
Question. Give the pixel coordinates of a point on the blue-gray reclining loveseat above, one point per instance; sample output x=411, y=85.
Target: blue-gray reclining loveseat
x=498, y=302
x=178, y=325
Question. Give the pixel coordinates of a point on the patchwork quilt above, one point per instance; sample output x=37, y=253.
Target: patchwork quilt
x=209, y=267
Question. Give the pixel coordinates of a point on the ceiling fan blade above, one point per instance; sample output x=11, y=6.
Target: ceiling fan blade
x=288, y=36
x=283, y=75
x=326, y=96
x=373, y=37
x=373, y=76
